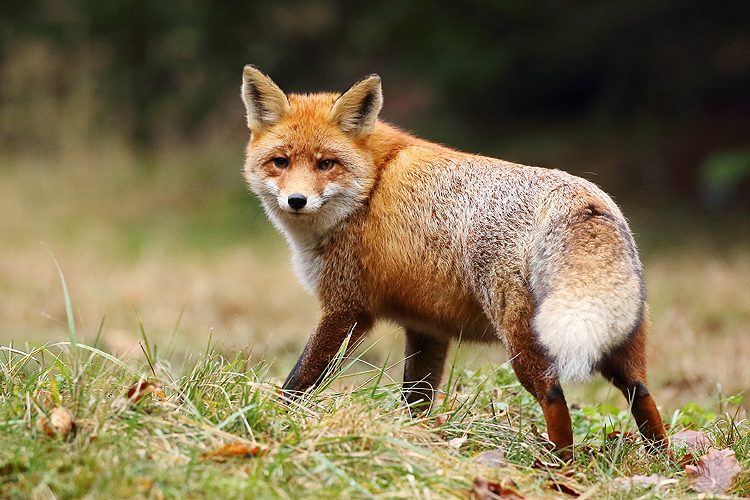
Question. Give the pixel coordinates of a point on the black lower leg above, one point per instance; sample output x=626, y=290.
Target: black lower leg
x=423, y=370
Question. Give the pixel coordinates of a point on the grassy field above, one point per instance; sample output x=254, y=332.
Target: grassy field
x=80, y=423
x=174, y=277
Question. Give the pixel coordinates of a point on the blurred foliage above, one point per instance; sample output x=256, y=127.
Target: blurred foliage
x=463, y=73
x=724, y=173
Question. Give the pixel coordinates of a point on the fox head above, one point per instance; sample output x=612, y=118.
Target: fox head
x=308, y=158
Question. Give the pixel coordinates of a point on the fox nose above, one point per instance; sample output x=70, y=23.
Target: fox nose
x=296, y=201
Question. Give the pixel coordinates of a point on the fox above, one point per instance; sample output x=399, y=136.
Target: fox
x=384, y=226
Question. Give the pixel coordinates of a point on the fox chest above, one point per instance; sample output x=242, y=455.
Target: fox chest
x=308, y=262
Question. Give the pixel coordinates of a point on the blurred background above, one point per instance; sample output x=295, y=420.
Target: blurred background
x=122, y=136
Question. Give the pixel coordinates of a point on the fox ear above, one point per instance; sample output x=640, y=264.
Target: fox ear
x=356, y=110
x=265, y=102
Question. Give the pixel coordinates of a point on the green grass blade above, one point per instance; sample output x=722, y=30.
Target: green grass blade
x=68, y=306
x=380, y=374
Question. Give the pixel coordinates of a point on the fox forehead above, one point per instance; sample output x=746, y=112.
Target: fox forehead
x=306, y=131
x=308, y=115
x=311, y=106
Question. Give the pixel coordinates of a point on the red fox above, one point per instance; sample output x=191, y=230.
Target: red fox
x=383, y=225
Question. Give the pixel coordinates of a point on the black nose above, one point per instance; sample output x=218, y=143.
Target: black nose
x=296, y=201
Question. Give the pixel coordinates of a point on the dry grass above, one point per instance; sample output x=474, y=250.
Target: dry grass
x=139, y=242
x=701, y=312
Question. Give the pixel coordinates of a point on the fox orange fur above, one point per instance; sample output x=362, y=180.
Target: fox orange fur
x=383, y=225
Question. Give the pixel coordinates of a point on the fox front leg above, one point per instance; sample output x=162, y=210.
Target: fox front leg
x=322, y=347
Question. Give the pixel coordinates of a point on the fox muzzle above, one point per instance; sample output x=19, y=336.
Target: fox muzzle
x=296, y=201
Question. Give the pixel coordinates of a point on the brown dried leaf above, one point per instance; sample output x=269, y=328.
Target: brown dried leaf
x=485, y=490
x=143, y=389
x=625, y=436
x=652, y=480
x=687, y=459
x=441, y=419
x=493, y=458
x=714, y=472
x=691, y=440
x=565, y=488
x=540, y=464
x=60, y=422
x=232, y=450
x=457, y=442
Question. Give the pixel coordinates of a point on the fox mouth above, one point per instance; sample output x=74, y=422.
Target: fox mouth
x=296, y=213
x=306, y=211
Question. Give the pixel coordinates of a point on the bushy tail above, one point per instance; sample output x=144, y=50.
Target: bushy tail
x=588, y=287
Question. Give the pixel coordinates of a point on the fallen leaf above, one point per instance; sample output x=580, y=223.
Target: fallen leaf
x=565, y=488
x=457, y=442
x=60, y=422
x=233, y=450
x=714, y=472
x=142, y=389
x=652, y=480
x=687, y=459
x=540, y=464
x=493, y=458
x=626, y=436
x=648, y=480
x=691, y=440
x=486, y=490
x=441, y=419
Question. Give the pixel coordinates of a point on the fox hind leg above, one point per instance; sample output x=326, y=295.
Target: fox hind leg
x=532, y=368
x=547, y=391
x=425, y=360
x=625, y=367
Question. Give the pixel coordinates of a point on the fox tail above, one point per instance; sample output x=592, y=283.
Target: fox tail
x=588, y=287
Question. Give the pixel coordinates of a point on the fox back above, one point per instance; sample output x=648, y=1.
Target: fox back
x=383, y=225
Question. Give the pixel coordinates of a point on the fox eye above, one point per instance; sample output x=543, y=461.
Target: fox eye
x=280, y=162
x=326, y=164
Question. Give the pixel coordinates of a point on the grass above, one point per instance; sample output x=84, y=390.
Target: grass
x=352, y=440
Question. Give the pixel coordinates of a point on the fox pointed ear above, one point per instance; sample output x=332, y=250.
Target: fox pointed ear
x=356, y=110
x=265, y=102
